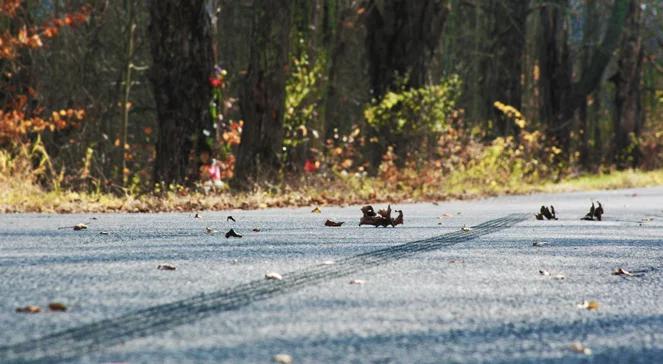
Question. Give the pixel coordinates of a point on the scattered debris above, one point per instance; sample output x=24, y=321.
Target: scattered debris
x=29, y=309
x=316, y=210
x=334, y=223
x=273, y=276
x=540, y=243
x=622, y=272
x=466, y=228
x=166, y=267
x=579, y=348
x=230, y=218
x=381, y=218
x=232, y=234
x=57, y=306
x=544, y=272
x=589, y=305
x=282, y=359
x=357, y=281
x=79, y=227
x=547, y=213
x=594, y=212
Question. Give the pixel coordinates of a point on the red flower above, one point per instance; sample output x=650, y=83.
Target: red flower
x=215, y=82
x=311, y=166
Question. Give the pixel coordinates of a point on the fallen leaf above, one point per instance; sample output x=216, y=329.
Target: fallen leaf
x=540, y=243
x=622, y=272
x=544, y=273
x=256, y=230
x=273, y=276
x=282, y=359
x=382, y=218
x=589, y=305
x=29, y=309
x=166, y=267
x=357, y=281
x=334, y=223
x=230, y=218
x=78, y=227
x=579, y=348
x=57, y=306
x=316, y=210
x=232, y=234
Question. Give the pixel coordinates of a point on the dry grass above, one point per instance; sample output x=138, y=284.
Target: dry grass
x=17, y=195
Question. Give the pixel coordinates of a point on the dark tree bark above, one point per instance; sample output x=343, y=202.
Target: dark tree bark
x=628, y=101
x=182, y=55
x=402, y=37
x=506, y=67
x=401, y=41
x=561, y=95
x=263, y=95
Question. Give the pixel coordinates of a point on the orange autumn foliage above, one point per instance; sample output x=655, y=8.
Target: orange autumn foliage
x=20, y=115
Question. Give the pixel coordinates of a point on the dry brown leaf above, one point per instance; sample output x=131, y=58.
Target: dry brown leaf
x=579, y=348
x=622, y=272
x=357, y=281
x=589, y=305
x=166, y=267
x=334, y=223
x=79, y=227
x=29, y=309
x=316, y=210
x=273, y=276
x=282, y=359
x=57, y=306
x=232, y=234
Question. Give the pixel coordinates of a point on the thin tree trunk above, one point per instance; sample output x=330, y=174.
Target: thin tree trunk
x=181, y=47
x=628, y=101
x=263, y=95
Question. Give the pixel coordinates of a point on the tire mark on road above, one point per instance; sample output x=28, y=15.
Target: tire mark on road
x=96, y=336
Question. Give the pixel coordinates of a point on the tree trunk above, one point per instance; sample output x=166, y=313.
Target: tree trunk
x=628, y=102
x=506, y=67
x=182, y=55
x=402, y=38
x=263, y=95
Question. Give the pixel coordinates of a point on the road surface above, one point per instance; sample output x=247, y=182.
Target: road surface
x=431, y=291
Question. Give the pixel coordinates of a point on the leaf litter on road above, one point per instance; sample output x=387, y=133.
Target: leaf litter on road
x=29, y=309
x=166, y=266
x=273, y=276
x=622, y=272
x=57, y=306
x=590, y=305
x=232, y=234
x=332, y=223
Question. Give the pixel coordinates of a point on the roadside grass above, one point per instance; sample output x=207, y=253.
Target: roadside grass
x=21, y=195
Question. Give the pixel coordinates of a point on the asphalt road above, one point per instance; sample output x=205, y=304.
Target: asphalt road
x=432, y=293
